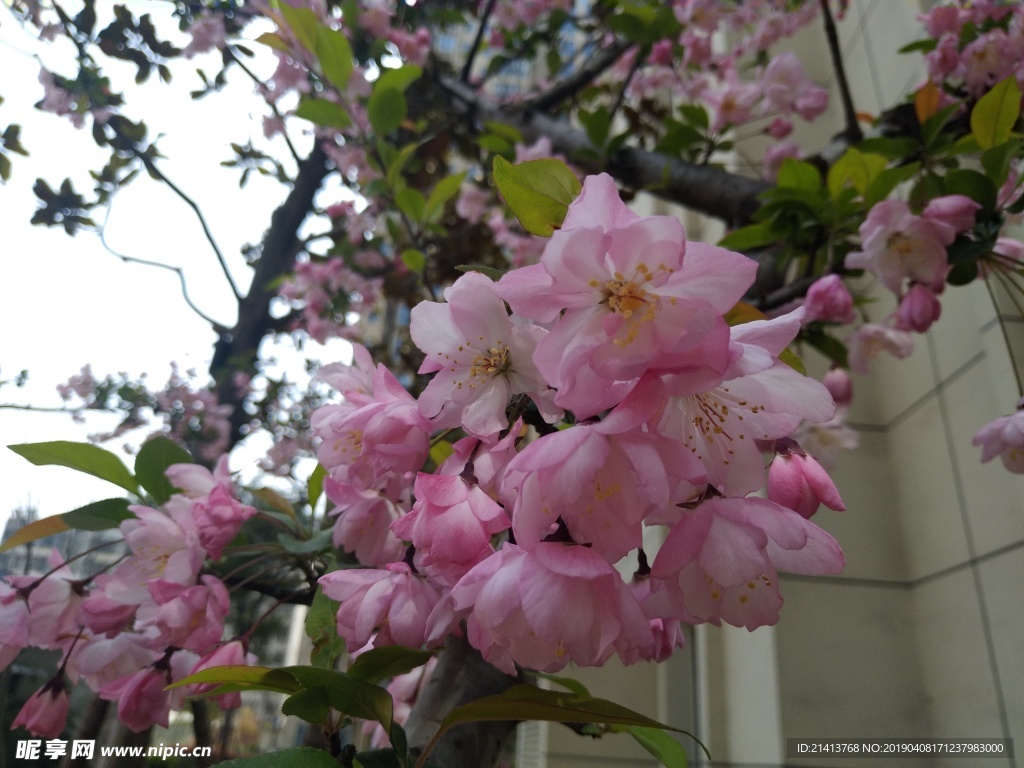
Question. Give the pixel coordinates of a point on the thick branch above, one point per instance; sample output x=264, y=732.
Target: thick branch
x=238, y=348
x=703, y=188
x=461, y=676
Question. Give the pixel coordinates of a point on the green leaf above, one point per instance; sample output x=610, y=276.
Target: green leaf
x=566, y=682
x=886, y=181
x=310, y=705
x=963, y=273
x=37, y=529
x=694, y=115
x=398, y=163
x=492, y=272
x=797, y=174
x=412, y=203
x=442, y=192
x=974, y=185
x=387, y=661
x=324, y=113
x=322, y=630
x=245, y=678
x=99, y=516
x=528, y=702
x=750, y=237
x=660, y=744
x=275, y=41
x=400, y=78
x=154, y=457
x=996, y=160
x=347, y=694
x=415, y=260
x=318, y=542
x=275, y=501
x=386, y=109
x=538, y=192
x=597, y=125
x=995, y=113
x=87, y=458
x=315, y=487
x=858, y=169
x=891, y=148
x=303, y=22
x=335, y=55
x=297, y=757
x=440, y=451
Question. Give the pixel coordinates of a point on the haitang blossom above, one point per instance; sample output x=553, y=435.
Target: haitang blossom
x=798, y=482
x=1004, y=438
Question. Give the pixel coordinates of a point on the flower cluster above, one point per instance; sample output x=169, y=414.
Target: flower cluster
x=617, y=336
x=153, y=619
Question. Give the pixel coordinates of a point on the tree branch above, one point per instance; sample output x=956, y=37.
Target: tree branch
x=703, y=188
x=578, y=80
x=853, y=132
x=467, y=67
x=238, y=348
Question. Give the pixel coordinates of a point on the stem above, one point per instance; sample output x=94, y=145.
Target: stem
x=1006, y=338
x=280, y=601
x=467, y=67
x=147, y=263
x=853, y=132
x=272, y=105
x=579, y=79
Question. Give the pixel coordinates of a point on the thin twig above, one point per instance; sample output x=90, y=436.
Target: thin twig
x=1002, y=327
x=638, y=61
x=272, y=105
x=467, y=68
x=853, y=132
x=578, y=80
x=159, y=175
x=147, y=263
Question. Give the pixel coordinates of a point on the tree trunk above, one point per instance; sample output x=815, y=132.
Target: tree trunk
x=461, y=675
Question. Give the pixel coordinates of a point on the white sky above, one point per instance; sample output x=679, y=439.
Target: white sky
x=65, y=302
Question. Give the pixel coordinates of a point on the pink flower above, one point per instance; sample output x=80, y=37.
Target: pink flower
x=450, y=525
x=14, y=617
x=918, y=309
x=364, y=522
x=798, y=482
x=899, y=246
x=547, y=606
x=629, y=295
x=774, y=156
x=871, y=340
x=839, y=385
x=185, y=617
x=719, y=563
x=779, y=128
x=1004, y=438
x=46, y=712
x=479, y=358
x=473, y=202
x=829, y=300
x=105, y=661
x=142, y=699
x=395, y=602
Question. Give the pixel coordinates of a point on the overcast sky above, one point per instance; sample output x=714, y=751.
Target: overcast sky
x=65, y=302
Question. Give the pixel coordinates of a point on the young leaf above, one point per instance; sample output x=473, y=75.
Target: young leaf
x=37, y=529
x=335, y=55
x=538, y=192
x=995, y=113
x=154, y=457
x=322, y=630
x=98, y=516
x=324, y=113
x=347, y=694
x=245, y=678
x=528, y=702
x=310, y=705
x=303, y=22
x=315, y=487
x=797, y=174
x=442, y=192
x=415, y=260
x=387, y=661
x=386, y=109
x=660, y=744
x=90, y=459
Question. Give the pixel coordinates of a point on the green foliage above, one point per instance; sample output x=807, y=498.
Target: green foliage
x=388, y=661
x=84, y=457
x=322, y=629
x=297, y=757
x=993, y=117
x=538, y=192
x=324, y=113
x=387, y=107
x=99, y=515
x=154, y=457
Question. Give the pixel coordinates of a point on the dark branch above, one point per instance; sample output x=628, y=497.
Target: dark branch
x=467, y=67
x=237, y=349
x=853, y=133
x=578, y=80
x=703, y=188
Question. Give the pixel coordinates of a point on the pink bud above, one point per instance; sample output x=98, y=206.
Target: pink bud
x=780, y=128
x=918, y=309
x=829, y=300
x=661, y=53
x=839, y=384
x=953, y=211
x=798, y=482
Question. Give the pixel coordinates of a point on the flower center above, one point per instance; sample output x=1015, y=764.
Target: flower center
x=493, y=363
